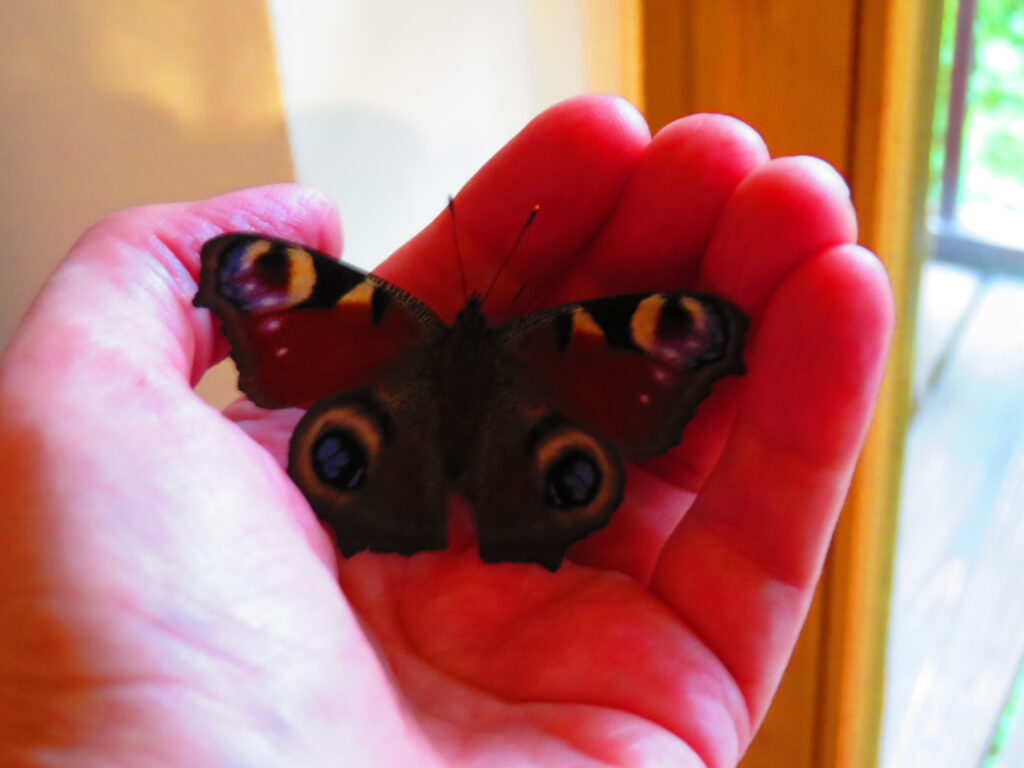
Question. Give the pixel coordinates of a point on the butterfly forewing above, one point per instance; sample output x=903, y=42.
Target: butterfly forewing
x=633, y=367
x=301, y=324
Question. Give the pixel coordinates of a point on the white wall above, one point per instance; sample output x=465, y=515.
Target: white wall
x=106, y=104
x=393, y=105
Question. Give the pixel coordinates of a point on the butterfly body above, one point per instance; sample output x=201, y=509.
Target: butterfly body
x=528, y=420
x=466, y=373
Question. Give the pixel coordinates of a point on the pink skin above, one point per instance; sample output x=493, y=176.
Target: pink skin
x=168, y=598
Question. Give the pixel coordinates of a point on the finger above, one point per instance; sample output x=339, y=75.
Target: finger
x=573, y=161
x=660, y=230
x=753, y=543
x=784, y=212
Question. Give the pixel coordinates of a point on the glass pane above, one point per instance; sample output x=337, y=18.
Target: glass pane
x=955, y=669
x=991, y=201
x=991, y=179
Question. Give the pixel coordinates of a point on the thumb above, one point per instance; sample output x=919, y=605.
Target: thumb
x=99, y=428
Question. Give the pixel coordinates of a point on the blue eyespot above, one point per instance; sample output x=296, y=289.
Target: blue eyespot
x=340, y=460
x=572, y=481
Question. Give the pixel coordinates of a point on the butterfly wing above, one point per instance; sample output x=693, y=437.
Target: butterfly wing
x=303, y=325
x=581, y=384
x=370, y=463
x=538, y=482
x=633, y=368
x=306, y=330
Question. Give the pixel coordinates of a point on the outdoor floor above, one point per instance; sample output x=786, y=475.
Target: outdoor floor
x=956, y=641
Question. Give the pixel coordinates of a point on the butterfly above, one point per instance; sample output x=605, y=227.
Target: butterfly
x=530, y=421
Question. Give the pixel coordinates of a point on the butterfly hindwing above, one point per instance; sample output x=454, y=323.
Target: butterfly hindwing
x=301, y=324
x=633, y=367
x=370, y=463
x=537, y=480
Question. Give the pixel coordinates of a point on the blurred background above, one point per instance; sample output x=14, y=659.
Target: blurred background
x=912, y=654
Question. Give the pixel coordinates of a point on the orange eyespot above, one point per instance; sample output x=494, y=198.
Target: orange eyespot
x=335, y=448
x=579, y=475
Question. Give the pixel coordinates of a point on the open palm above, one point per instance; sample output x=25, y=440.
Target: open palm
x=168, y=597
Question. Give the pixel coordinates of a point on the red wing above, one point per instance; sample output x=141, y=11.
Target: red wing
x=634, y=367
x=301, y=324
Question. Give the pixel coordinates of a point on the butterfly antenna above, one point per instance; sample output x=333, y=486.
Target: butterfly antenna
x=458, y=250
x=511, y=253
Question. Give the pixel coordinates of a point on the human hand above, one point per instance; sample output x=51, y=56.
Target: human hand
x=168, y=598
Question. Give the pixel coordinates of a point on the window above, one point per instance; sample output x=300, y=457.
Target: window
x=978, y=157
x=955, y=681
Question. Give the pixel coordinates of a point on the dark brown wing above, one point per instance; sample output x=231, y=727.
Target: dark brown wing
x=370, y=462
x=538, y=481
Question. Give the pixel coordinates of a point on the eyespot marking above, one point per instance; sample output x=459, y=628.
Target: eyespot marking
x=260, y=276
x=572, y=481
x=340, y=460
x=360, y=295
x=379, y=305
x=576, y=472
x=330, y=470
x=583, y=323
x=676, y=331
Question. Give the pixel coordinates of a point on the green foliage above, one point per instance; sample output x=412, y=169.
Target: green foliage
x=941, y=120
x=993, y=154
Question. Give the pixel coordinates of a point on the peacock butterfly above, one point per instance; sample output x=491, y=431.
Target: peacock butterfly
x=529, y=421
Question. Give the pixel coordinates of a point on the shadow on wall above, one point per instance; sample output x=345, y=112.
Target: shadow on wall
x=108, y=105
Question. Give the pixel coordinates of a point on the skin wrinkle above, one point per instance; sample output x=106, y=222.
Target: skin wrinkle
x=684, y=477
x=157, y=290
x=641, y=568
x=516, y=705
x=177, y=258
x=112, y=689
x=164, y=629
x=695, y=627
x=396, y=580
x=414, y=653
x=552, y=606
x=672, y=485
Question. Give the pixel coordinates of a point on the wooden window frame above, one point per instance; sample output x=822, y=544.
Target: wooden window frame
x=852, y=81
